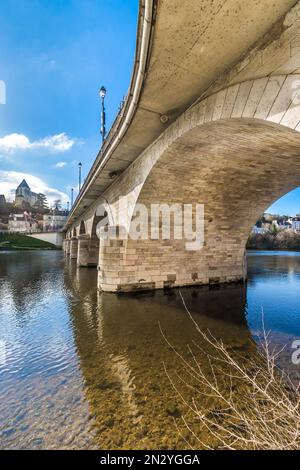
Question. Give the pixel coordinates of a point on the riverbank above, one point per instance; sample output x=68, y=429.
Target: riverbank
x=16, y=241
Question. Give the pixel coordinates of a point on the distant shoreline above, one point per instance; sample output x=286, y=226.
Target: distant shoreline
x=274, y=249
x=27, y=248
x=283, y=240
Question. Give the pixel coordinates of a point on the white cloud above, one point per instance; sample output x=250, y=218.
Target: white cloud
x=60, y=164
x=10, y=180
x=55, y=143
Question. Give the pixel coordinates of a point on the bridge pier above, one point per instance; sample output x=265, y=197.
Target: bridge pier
x=67, y=247
x=127, y=265
x=73, y=248
x=93, y=251
x=64, y=245
x=112, y=260
x=83, y=256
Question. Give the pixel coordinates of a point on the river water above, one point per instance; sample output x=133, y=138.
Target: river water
x=85, y=370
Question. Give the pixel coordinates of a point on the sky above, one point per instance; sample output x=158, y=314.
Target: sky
x=55, y=55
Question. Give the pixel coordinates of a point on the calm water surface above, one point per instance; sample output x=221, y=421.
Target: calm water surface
x=80, y=369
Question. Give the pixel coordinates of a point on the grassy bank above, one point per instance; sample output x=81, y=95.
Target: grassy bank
x=16, y=241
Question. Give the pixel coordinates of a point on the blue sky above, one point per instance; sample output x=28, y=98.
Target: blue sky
x=287, y=205
x=54, y=57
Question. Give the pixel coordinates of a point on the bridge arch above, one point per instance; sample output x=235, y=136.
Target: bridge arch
x=82, y=228
x=236, y=152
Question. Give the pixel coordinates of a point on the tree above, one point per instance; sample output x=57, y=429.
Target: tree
x=57, y=205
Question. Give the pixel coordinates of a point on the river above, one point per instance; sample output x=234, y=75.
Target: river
x=81, y=369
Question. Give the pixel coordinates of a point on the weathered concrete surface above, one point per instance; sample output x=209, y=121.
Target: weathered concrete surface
x=196, y=41
x=235, y=150
x=52, y=237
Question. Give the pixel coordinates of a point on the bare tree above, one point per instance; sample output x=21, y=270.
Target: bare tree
x=57, y=205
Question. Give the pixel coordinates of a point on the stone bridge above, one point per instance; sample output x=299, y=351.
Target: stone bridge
x=212, y=117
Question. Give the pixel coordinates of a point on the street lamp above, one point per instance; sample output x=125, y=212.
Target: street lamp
x=72, y=196
x=79, y=176
x=102, y=93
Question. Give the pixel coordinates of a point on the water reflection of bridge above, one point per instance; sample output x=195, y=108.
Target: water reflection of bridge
x=122, y=354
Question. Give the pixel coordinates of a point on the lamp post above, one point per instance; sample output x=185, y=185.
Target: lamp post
x=79, y=176
x=72, y=196
x=102, y=93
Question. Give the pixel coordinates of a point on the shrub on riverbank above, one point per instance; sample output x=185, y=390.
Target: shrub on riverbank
x=18, y=241
x=282, y=240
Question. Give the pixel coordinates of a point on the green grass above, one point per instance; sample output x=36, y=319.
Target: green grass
x=15, y=241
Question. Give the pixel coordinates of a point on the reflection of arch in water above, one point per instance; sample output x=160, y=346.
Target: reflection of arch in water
x=121, y=353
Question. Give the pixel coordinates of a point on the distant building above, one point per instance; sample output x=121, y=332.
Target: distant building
x=24, y=196
x=23, y=223
x=259, y=230
x=286, y=224
x=53, y=222
x=269, y=222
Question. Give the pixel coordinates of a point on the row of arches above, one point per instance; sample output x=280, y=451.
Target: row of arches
x=235, y=153
x=82, y=241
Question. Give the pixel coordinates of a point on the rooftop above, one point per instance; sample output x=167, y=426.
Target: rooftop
x=23, y=184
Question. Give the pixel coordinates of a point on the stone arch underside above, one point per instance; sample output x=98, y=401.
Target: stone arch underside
x=236, y=167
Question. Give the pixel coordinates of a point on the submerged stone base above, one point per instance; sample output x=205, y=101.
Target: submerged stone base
x=148, y=286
